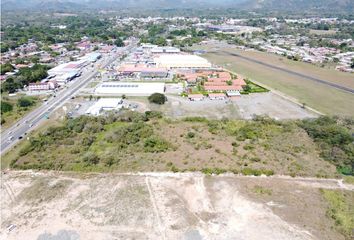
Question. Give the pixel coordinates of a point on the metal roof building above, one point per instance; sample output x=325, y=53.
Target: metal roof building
x=129, y=88
x=105, y=104
x=181, y=61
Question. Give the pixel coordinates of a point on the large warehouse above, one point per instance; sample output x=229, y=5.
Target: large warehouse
x=130, y=88
x=105, y=104
x=181, y=61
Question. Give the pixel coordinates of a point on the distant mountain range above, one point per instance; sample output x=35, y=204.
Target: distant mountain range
x=269, y=5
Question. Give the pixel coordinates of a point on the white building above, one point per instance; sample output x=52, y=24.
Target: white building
x=42, y=86
x=130, y=88
x=165, y=50
x=105, y=104
x=181, y=61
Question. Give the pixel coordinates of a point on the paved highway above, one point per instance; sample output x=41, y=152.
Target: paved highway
x=37, y=116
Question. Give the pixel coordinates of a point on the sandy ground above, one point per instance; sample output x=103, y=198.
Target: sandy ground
x=53, y=206
x=243, y=108
x=272, y=105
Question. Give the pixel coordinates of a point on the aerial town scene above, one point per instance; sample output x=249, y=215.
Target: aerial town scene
x=194, y=120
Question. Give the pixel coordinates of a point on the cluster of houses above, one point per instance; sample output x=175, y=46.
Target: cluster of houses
x=216, y=84
x=67, y=61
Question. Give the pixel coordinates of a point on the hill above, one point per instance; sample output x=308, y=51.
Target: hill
x=267, y=5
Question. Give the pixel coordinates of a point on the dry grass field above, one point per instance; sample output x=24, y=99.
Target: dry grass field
x=321, y=97
x=192, y=206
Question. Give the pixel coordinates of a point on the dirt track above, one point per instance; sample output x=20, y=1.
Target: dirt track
x=159, y=206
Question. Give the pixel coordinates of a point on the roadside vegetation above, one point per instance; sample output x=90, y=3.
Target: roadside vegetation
x=13, y=108
x=132, y=141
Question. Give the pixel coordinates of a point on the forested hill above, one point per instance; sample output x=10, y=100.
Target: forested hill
x=300, y=5
x=268, y=5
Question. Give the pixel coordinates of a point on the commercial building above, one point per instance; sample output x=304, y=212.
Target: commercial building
x=174, y=61
x=129, y=88
x=42, y=86
x=143, y=70
x=154, y=73
x=165, y=50
x=217, y=96
x=91, y=57
x=67, y=71
x=105, y=104
x=195, y=97
x=233, y=94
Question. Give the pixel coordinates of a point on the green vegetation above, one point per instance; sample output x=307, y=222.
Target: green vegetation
x=157, y=98
x=6, y=107
x=261, y=190
x=252, y=88
x=91, y=143
x=119, y=43
x=12, y=108
x=305, y=91
x=7, y=67
x=98, y=29
x=349, y=179
x=335, y=141
x=24, y=77
x=341, y=210
x=131, y=141
x=25, y=102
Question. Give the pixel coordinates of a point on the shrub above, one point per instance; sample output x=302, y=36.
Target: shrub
x=209, y=171
x=153, y=114
x=335, y=141
x=195, y=119
x=25, y=102
x=155, y=144
x=190, y=135
x=6, y=107
x=250, y=171
x=261, y=190
x=157, y=98
x=90, y=158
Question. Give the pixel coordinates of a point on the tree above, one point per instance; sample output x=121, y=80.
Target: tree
x=352, y=65
x=6, y=107
x=157, y=98
x=118, y=42
x=160, y=41
x=7, y=67
x=25, y=102
x=10, y=86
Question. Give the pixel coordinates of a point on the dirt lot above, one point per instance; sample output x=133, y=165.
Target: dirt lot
x=243, y=108
x=323, y=98
x=163, y=206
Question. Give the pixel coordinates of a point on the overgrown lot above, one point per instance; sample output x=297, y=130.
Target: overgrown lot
x=132, y=141
x=13, y=108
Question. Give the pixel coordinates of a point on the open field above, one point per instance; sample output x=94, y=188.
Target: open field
x=243, y=108
x=319, y=96
x=132, y=141
x=49, y=205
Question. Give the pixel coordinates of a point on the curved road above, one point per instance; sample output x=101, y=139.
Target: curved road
x=346, y=89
